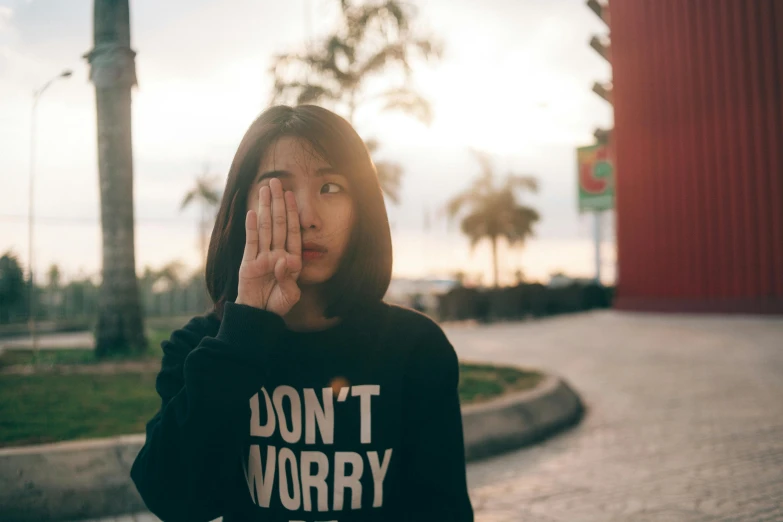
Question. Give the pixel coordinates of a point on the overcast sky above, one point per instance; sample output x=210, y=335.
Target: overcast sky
x=515, y=81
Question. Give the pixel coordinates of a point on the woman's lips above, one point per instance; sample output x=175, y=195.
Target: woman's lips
x=311, y=255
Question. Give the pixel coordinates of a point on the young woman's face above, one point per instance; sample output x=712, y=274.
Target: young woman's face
x=323, y=199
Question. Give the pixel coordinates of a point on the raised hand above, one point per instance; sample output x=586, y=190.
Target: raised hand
x=272, y=260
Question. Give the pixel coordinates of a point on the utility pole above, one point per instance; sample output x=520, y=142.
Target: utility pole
x=602, y=45
x=31, y=210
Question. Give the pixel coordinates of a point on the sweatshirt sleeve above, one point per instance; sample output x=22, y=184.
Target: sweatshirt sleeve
x=434, y=441
x=205, y=383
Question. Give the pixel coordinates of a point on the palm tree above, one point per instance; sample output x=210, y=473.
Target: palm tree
x=171, y=274
x=494, y=211
x=371, y=40
x=54, y=277
x=120, y=324
x=206, y=193
x=389, y=173
x=53, y=291
x=165, y=282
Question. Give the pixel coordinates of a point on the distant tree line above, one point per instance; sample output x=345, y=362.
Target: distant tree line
x=165, y=292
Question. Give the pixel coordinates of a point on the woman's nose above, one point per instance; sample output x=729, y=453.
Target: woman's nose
x=309, y=216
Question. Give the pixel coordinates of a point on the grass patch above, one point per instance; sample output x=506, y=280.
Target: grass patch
x=52, y=407
x=11, y=357
x=46, y=408
x=482, y=382
x=52, y=356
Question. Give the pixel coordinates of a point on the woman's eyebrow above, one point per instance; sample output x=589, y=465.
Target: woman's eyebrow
x=327, y=170
x=280, y=174
x=274, y=174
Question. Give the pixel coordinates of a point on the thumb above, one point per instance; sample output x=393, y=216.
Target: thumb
x=286, y=282
x=290, y=290
x=280, y=269
x=294, y=267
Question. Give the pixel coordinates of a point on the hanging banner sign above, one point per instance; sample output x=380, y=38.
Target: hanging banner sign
x=595, y=167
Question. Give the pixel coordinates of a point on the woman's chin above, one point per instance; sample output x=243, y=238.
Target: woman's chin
x=311, y=276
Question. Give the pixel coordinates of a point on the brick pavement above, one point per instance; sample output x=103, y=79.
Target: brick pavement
x=685, y=421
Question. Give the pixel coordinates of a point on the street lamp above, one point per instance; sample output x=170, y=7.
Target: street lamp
x=31, y=320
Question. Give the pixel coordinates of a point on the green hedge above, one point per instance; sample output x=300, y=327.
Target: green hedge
x=521, y=301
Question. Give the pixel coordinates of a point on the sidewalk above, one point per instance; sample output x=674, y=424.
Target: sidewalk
x=49, y=341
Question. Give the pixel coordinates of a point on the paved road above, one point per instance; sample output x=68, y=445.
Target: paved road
x=685, y=421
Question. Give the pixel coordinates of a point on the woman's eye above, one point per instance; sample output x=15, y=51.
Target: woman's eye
x=339, y=187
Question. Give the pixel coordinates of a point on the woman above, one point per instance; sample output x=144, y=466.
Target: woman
x=302, y=396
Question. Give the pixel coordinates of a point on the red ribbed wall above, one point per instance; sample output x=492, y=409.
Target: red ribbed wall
x=698, y=99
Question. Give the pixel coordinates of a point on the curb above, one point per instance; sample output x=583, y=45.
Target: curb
x=91, y=478
x=520, y=419
x=69, y=480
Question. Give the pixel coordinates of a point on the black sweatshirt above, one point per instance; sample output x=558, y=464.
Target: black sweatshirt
x=359, y=422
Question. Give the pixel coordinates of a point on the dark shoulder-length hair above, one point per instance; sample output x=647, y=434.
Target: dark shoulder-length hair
x=364, y=273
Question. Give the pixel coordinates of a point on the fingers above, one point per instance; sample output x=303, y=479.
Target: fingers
x=277, y=218
x=264, y=220
x=278, y=215
x=251, y=236
x=294, y=240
